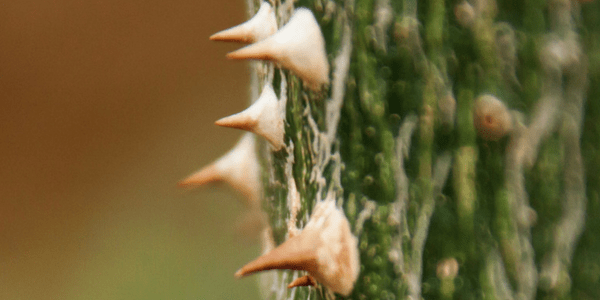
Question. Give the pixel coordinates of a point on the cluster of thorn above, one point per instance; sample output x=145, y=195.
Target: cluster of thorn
x=325, y=248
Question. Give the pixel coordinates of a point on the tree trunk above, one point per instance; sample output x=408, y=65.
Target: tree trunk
x=461, y=140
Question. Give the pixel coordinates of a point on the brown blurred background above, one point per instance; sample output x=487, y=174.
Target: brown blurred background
x=105, y=106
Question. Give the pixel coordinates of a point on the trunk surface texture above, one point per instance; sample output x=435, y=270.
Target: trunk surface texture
x=459, y=139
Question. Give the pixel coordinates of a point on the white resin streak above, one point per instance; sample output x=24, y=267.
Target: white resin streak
x=323, y=141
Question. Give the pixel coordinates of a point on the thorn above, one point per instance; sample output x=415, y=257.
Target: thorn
x=239, y=168
x=326, y=249
x=302, y=281
x=262, y=118
x=206, y=175
x=259, y=27
x=294, y=254
x=298, y=46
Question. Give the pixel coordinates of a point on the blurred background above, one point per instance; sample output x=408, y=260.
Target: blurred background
x=105, y=106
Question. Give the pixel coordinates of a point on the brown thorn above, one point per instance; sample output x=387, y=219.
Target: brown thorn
x=239, y=121
x=293, y=254
x=206, y=175
x=306, y=280
x=261, y=50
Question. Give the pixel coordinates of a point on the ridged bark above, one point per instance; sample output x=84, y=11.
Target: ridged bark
x=440, y=212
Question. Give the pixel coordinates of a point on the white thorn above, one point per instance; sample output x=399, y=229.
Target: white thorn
x=263, y=118
x=298, y=46
x=259, y=27
x=326, y=249
x=239, y=168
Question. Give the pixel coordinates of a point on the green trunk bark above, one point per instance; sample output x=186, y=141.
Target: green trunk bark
x=443, y=209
